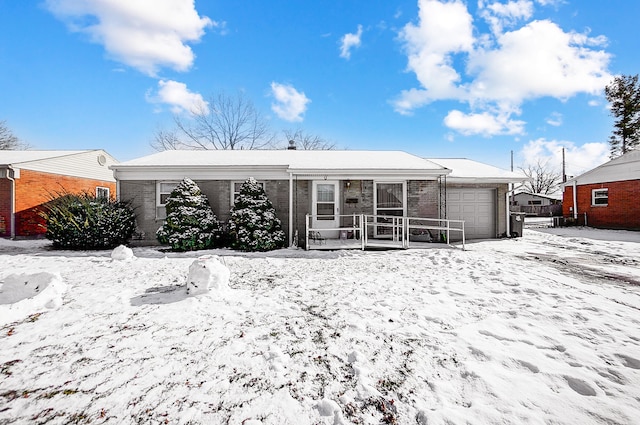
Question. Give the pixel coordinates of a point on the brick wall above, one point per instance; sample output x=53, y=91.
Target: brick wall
x=142, y=195
x=34, y=188
x=423, y=198
x=5, y=207
x=621, y=212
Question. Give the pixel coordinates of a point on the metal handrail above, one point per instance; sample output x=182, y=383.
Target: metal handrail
x=401, y=227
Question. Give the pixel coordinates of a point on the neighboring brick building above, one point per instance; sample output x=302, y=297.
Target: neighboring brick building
x=607, y=196
x=330, y=186
x=29, y=179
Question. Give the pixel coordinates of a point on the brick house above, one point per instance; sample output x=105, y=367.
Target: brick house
x=28, y=179
x=607, y=196
x=329, y=186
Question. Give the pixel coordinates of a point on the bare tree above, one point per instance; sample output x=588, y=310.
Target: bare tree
x=225, y=122
x=8, y=140
x=308, y=141
x=166, y=140
x=544, y=179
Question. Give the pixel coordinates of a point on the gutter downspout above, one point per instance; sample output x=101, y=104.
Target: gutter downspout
x=12, y=220
x=290, y=209
x=575, y=204
x=508, y=216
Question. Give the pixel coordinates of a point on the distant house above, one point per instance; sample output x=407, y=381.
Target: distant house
x=332, y=187
x=28, y=179
x=607, y=196
x=537, y=204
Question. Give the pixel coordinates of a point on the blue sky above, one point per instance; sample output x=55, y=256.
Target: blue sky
x=475, y=79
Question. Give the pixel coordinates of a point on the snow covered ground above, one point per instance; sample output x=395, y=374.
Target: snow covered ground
x=540, y=329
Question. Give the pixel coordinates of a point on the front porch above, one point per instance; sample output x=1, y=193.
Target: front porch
x=362, y=231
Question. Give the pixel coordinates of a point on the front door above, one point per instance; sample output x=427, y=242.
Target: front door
x=389, y=202
x=325, y=208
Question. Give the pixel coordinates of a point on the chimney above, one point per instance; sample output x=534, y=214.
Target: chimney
x=292, y=145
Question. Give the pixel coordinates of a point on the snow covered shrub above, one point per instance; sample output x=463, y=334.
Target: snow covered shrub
x=83, y=221
x=191, y=224
x=253, y=224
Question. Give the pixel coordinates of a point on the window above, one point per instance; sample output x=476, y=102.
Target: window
x=235, y=189
x=535, y=202
x=326, y=201
x=163, y=190
x=600, y=197
x=103, y=192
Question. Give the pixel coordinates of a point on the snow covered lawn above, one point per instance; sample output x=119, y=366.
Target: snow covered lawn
x=541, y=329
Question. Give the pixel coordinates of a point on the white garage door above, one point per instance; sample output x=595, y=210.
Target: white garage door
x=477, y=208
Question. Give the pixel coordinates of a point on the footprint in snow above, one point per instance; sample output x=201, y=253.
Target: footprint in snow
x=629, y=362
x=580, y=386
x=533, y=368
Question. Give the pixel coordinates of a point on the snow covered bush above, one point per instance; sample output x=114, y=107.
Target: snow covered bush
x=190, y=224
x=84, y=221
x=253, y=225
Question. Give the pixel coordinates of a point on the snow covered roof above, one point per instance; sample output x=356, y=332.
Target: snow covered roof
x=15, y=157
x=466, y=170
x=624, y=167
x=298, y=162
x=293, y=159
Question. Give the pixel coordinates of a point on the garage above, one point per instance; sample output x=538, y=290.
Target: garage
x=477, y=207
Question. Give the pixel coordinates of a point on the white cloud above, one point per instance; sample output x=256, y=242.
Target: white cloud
x=495, y=73
x=538, y=60
x=484, y=123
x=578, y=159
x=290, y=104
x=350, y=41
x=144, y=34
x=555, y=119
x=500, y=15
x=443, y=29
x=178, y=96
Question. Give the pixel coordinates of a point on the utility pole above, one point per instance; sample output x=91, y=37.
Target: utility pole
x=512, y=160
x=564, y=173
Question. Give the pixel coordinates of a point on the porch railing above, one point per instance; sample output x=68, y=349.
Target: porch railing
x=382, y=231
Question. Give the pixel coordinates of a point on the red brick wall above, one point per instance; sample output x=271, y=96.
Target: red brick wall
x=622, y=211
x=5, y=207
x=34, y=188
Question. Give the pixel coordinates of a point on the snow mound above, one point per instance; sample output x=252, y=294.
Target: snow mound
x=207, y=272
x=327, y=407
x=122, y=253
x=24, y=294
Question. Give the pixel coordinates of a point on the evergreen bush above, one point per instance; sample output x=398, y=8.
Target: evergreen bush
x=253, y=225
x=84, y=221
x=190, y=224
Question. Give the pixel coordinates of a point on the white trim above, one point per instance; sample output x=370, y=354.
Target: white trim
x=594, y=197
x=105, y=189
x=159, y=194
x=314, y=205
x=375, y=198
